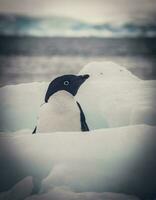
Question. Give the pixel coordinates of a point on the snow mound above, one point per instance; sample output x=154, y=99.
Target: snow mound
x=60, y=193
x=111, y=97
x=20, y=105
x=108, y=71
x=114, y=97
x=80, y=166
x=20, y=191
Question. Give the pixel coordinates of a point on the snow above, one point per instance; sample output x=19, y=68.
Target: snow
x=20, y=105
x=115, y=162
x=116, y=97
x=106, y=163
x=108, y=71
x=111, y=97
x=66, y=194
x=21, y=190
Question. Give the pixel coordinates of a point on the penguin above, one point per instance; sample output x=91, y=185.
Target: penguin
x=60, y=111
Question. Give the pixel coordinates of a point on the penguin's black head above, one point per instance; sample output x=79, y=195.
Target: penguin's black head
x=69, y=83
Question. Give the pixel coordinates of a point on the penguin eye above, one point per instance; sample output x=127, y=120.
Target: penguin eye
x=66, y=83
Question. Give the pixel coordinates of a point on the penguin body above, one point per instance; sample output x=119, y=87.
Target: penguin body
x=61, y=112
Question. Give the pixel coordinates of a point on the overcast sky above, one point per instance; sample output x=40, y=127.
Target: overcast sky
x=88, y=10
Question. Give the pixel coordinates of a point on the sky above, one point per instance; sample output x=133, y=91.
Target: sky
x=93, y=11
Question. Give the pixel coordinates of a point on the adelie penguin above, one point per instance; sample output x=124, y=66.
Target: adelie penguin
x=61, y=112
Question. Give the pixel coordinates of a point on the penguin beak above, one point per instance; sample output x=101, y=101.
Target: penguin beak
x=84, y=77
x=81, y=79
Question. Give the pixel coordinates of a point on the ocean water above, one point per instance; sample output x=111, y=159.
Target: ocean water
x=29, y=59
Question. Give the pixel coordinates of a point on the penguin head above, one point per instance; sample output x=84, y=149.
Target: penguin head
x=69, y=83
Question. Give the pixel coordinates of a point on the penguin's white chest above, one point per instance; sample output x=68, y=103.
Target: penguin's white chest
x=61, y=113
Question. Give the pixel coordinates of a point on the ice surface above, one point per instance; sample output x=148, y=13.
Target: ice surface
x=114, y=163
x=20, y=191
x=60, y=193
x=111, y=97
x=81, y=166
x=20, y=104
x=108, y=71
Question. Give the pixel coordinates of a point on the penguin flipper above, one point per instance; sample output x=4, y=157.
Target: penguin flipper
x=84, y=126
x=34, y=131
